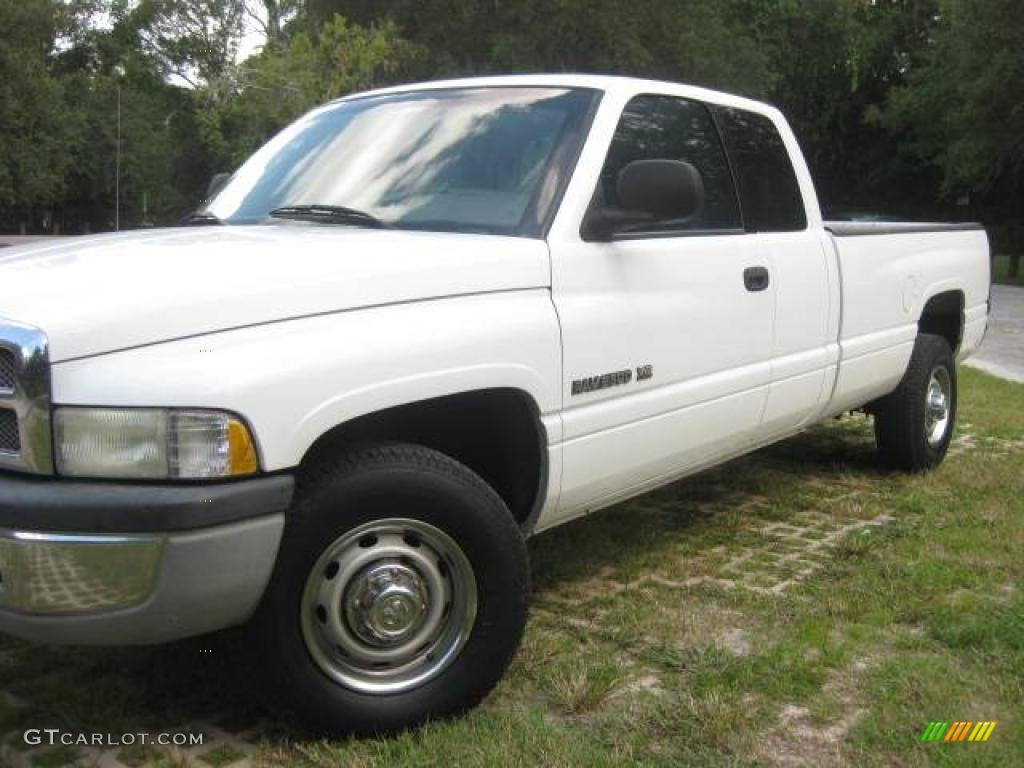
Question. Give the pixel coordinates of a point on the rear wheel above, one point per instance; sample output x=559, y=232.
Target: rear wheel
x=914, y=424
x=399, y=595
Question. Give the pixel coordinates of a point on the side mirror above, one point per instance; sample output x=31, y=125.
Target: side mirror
x=216, y=184
x=649, y=190
x=663, y=189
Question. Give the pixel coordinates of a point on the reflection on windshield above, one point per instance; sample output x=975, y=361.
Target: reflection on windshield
x=452, y=160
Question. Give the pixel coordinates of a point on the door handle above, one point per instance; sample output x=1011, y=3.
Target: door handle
x=756, y=278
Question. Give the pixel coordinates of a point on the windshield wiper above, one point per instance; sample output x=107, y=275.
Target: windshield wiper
x=328, y=214
x=199, y=219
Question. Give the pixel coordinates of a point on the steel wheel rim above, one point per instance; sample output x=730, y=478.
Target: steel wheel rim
x=938, y=406
x=388, y=606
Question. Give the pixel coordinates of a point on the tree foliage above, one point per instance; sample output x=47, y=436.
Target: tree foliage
x=195, y=40
x=35, y=158
x=705, y=42
x=285, y=80
x=963, y=108
x=902, y=106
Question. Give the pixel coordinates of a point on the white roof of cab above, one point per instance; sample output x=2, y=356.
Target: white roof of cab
x=611, y=84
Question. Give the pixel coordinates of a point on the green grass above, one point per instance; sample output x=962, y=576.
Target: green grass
x=222, y=756
x=1001, y=271
x=795, y=606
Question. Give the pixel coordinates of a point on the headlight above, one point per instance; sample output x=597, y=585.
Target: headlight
x=151, y=443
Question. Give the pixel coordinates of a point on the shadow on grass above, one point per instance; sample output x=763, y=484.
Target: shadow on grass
x=168, y=688
x=703, y=504
x=185, y=685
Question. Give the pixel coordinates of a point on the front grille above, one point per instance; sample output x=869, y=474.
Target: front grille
x=9, y=439
x=6, y=369
x=25, y=442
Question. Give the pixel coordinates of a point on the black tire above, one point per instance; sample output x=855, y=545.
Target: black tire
x=359, y=488
x=903, y=430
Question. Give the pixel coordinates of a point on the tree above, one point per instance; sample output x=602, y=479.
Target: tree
x=833, y=64
x=282, y=82
x=33, y=128
x=196, y=40
x=964, y=107
x=272, y=15
x=901, y=106
x=962, y=111
x=701, y=41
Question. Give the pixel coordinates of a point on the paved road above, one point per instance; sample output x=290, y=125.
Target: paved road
x=1002, y=352
x=6, y=240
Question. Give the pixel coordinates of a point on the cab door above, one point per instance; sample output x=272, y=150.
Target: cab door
x=805, y=350
x=667, y=328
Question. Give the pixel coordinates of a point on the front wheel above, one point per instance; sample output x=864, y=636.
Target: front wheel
x=399, y=595
x=914, y=424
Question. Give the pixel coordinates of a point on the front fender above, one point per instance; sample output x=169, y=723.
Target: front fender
x=295, y=380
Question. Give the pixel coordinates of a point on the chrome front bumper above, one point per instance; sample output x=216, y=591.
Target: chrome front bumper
x=60, y=573
x=119, y=563
x=135, y=589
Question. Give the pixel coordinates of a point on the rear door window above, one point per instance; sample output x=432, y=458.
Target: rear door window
x=769, y=192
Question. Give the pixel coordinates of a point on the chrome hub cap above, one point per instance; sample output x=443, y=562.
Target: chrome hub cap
x=386, y=603
x=938, y=403
x=388, y=606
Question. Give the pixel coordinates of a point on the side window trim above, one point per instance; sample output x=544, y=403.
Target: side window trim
x=713, y=111
x=677, y=233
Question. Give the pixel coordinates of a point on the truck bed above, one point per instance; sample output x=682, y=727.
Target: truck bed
x=890, y=272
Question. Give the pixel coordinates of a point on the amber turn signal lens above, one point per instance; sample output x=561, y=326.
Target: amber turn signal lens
x=241, y=450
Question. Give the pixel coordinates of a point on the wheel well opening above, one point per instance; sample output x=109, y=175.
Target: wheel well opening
x=943, y=316
x=495, y=432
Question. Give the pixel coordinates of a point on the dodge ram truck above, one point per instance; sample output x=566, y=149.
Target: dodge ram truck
x=416, y=327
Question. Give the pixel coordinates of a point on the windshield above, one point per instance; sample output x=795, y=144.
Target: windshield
x=488, y=159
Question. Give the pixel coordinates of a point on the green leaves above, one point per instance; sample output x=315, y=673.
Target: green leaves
x=703, y=41
x=195, y=40
x=901, y=106
x=286, y=80
x=964, y=106
x=33, y=162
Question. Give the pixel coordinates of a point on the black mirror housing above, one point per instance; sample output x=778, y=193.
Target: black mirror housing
x=663, y=189
x=602, y=223
x=648, y=191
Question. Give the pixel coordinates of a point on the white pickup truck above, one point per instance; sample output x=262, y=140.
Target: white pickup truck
x=416, y=327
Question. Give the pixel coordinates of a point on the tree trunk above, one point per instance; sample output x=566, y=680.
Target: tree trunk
x=273, y=20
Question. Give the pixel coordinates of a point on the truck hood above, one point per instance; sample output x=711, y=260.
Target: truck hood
x=99, y=294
